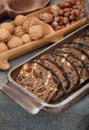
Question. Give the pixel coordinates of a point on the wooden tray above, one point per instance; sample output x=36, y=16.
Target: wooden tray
x=51, y=37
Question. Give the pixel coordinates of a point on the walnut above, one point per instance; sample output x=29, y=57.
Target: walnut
x=26, y=38
x=19, y=31
x=9, y=26
x=36, y=32
x=15, y=42
x=54, y=8
x=28, y=23
x=4, y=35
x=46, y=17
x=3, y=47
x=19, y=20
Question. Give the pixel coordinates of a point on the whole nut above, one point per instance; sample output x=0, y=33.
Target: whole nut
x=81, y=16
x=67, y=10
x=55, y=14
x=61, y=22
x=54, y=24
x=3, y=47
x=61, y=12
x=65, y=20
x=66, y=4
x=26, y=38
x=58, y=18
x=19, y=31
x=9, y=26
x=58, y=28
x=77, y=12
x=19, y=20
x=46, y=17
x=28, y=23
x=54, y=8
x=67, y=14
x=72, y=2
x=72, y=17
x=4, y=35
x=36, y=32
x=15, y=42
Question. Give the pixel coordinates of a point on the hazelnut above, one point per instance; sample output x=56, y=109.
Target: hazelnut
x=81, y=16
x=4, y=35
x=61, y=12
x=55, y=14
x=46, y=17
x=3, y=47
x=67, y=14
x=19, y=31
x=67, y=10
x=19, y=20
x=9, y=26
x=72, y=17
x=54, y=8
x=36, y=32
x=54, y=24
x=15, y=42
x=76, y=11
x=58, y=28
x=72, y=2
x=26, y=38
x=65, y=20
x=61, y=22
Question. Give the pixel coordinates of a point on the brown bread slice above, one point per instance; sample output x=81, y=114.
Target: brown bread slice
x=81, y=47
x=38, y=80
x=82, y=71
x=69, y=70
x=84, y=40
x=49, y=64
x=78, y=54
x=59, y=70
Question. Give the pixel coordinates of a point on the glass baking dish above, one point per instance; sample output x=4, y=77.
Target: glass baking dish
x=31, y=102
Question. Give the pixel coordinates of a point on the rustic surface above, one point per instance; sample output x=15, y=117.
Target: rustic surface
x=13, y=117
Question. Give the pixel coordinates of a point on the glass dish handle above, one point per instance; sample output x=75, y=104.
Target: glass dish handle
x=21, y=98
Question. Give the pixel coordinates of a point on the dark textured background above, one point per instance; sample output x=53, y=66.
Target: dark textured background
x=13, y=117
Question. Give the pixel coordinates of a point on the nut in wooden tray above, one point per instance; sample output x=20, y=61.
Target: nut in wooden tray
x=48, y=25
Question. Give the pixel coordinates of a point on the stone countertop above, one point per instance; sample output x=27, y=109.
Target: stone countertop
x=13, y=117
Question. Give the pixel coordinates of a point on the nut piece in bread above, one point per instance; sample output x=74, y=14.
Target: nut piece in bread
x=19, y=20
x=26, y=38
x=4, y=35
x=3, y=47
x=9, y=26
x=15, y=42
x=36, y=32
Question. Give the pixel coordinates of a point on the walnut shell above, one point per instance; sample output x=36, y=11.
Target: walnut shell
x=36, y=32
x=28, y=23
x=19, y=20
x=19, y=31
x=54, y=8
x=3, y=47
x=46, y=17
x=4, y=35
x=15, y=42
x=26, y=38
x=9, y=26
